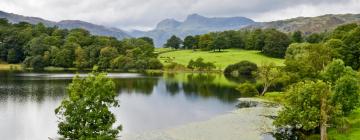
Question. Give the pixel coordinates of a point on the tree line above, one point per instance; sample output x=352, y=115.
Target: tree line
x=270, y=42
x=37, y=46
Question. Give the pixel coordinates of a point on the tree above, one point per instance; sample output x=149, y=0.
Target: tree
x=199, y=64
x=205, y=42
x=314, y=38
x=148, y=40
x=307, y=107
x=276, y=43
x=189, y=42
x=255, y=40
x=297, y=37
x=63, y=58
x=37, y=62
x=268, y=74
x=306, y=61
x=219, y=42
x=346, y=85
x=86, y=114
x=352, y=50
x=107, y=54
x=173, y=42
x=81, y=58
x=11, y=56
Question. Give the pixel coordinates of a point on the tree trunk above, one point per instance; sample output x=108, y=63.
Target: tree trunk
x=323, y=118
x=323, y=132
x=264, y=90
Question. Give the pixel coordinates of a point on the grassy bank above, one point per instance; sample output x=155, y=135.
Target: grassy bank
x=9, y=67
x=220, y=59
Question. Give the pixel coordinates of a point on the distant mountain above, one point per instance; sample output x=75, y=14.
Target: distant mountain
x=196, y=24
x=309, y=24
x=193, y=25
x=67, y=24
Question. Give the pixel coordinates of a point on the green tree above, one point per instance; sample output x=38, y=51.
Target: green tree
x=345, y=82
x=86, y=114
x=219, y=42
x=268, y=73
x=81, y=58
x=107, y=54
x=255, y=40
x=173, y=42
x=199, y=64
x=297, y=37
x=306, y=61
x=307, y=107
x=63, y=59
x=276, y=43
x=148, y=40
x=352, y=50
x=314, y=38
x=11, y=56
x=189, y=42
x=205, y=42
x=37, y=63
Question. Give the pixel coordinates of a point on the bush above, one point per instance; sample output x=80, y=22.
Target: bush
x=247, y=89
x=175, y=66
x=199, y=64
x=242, y=68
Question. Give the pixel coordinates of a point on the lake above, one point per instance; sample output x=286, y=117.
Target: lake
x=147, y=102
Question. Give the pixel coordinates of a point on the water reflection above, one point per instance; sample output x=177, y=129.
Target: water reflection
x=27, y=101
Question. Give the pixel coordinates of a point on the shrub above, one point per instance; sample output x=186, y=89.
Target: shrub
x=199, y=64
x=242, y=68
x=247, y=89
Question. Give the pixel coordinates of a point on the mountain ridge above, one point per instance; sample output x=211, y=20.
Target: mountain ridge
x=67, y=24
x=194, y=24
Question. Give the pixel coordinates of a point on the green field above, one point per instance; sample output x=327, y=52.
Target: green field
x=221, y=59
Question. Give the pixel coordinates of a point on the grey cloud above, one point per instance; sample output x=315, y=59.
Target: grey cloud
x=146, y=13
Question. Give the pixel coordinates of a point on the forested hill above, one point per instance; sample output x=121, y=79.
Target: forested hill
x=67, y=24
x=309, y=25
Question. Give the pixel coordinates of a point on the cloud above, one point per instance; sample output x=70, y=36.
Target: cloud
x=144, y=14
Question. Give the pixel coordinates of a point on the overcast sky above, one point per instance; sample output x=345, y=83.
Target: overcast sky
x=144, y=14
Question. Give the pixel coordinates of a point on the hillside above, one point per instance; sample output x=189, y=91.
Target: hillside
x=221, y=59
x=67, y=24
x=193, y=25
x=309, y=24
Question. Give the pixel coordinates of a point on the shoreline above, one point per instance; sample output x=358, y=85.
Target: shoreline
x=241, y=123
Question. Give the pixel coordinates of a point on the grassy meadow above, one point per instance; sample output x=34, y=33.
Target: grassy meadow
x=220, y=59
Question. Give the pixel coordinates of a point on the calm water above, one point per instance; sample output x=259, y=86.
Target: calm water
x=28, y=100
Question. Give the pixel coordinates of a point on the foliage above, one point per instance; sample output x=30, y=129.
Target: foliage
x=244, y=68
x=190, y=42
x=305, y=60
x=302, y=108
x=276, y=43
x=297, y=37
x=23, y=42
x=247, y=89
x=268, y=73
x=173, y=42
x=86, y=113
x=199, y=64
